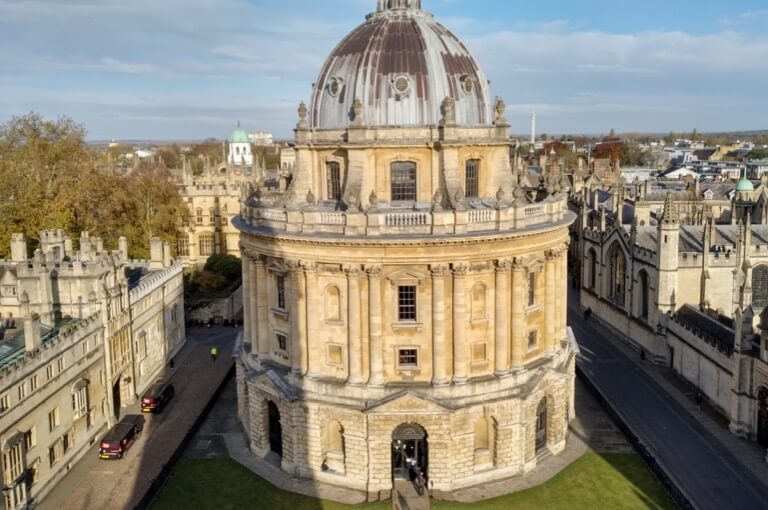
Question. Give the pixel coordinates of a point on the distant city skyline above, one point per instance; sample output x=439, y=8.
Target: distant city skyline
x=190, y=70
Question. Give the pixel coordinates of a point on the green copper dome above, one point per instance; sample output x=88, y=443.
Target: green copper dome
x=744, y=185
x=239, y=136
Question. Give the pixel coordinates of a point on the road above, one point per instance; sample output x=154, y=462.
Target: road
x=120, y=484
x=709, y=475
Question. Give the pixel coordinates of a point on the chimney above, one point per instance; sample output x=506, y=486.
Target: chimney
x=122, y=247
x=155, y=253
x=18, y=248
x=166, y=254
x=67, y=246
x=32, y=337
x=99, y=244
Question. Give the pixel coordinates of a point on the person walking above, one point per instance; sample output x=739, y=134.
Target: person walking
x=421, y=483
x=214, y=353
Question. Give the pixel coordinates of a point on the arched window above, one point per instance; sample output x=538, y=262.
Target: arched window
x=472, y=178
x=644, y=294
x=760, y=287
x=592, y=269
x=333, y=446
x=333, y=304
x=403, y=175
x=617, y=270
x=485, y=443
x=333, y=177
x=541, y=425
x=206, y=244
x=478, y=303
x=182, y=245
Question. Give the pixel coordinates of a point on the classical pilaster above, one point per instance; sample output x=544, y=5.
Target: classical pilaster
x=355, y=346
x=549, y=303
x=375, y=326
x=519, y=301
x=260, y=307
x=501, y=317
x=563, y=294
x=313, y=305
x=296, y=318
x=460, y=347
x=248, y=297
x=439, y=349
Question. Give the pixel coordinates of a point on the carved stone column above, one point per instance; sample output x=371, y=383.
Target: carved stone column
x=260, y=307
x=313, y=305
x=249, y=277
x=549, y=303
x=501, y=317
x=519, y=301
x=439, y=362
x=460, y=347
x=297, y=317
x=562, y=283
x=375, y=326
x=355, y=346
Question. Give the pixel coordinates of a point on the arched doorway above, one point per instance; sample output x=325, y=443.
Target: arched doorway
x=541, y=425
x=275, y=429
x=762, y=416
x=409, y=451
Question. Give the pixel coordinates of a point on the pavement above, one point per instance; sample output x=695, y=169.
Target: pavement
x=121, y=484
x=221, y=435
x=712, y=468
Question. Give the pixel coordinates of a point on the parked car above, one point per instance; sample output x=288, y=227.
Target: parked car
x=115, y=444
x=156, y=398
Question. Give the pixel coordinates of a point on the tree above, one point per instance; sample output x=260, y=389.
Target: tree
x=49, y=180
x=227, y=266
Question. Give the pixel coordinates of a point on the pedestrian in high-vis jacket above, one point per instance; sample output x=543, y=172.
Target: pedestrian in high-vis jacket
x=214, y=353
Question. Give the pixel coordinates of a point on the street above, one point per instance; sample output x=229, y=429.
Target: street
x=710, y=475
x=120, y=484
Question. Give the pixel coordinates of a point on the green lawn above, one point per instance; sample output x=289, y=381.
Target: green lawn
x=616, y=481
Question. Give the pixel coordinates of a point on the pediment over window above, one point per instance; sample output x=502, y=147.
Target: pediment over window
x=406, y=276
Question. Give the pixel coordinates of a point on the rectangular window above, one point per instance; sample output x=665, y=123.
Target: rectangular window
x=30, y=438
x=403, y=182
x=49, y=371
x=280, y=284
x=68, y=440
x=60, y=364
x=199, y=216
x=12, y=464
x=333, y=171
x=22, y=391
x=212, y=215
x=182, y=247
x=54, y=453
x=282, y=343
x=533, y=340
x=9, y=290
x=33, y=382
x=80, y=402
x=408, y=358
x=53, y=419
x=5, y=402
x=531, y=289
x=406, y=303
x=472, y=178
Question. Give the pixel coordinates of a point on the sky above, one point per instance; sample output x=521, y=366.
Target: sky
x=191, y=69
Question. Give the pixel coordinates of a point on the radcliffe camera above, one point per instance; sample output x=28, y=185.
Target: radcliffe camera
x=383, y=254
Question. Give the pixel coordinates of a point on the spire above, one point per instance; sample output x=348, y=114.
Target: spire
x=669, y=215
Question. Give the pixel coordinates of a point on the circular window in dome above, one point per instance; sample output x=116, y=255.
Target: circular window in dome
x=402, y=84
x=334, y=87
x=467, y=85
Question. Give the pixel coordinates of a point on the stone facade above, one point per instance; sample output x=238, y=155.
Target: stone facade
x=405, y=304
x=92, y=330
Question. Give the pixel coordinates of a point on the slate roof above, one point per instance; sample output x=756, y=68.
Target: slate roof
x=705, y=327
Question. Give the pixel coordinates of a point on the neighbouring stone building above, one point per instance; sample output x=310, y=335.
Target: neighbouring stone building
x=85, y=332
x=405, y=296
x=689, y=296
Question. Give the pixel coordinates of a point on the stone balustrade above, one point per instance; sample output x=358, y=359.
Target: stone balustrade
x=392, y=221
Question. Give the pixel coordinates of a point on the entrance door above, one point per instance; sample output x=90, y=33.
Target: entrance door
x=275, y=429
x=762, y=416
x=541, y=425
x=116, y=399
x=409, y=452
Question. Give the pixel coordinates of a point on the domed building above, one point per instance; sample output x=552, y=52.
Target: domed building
x=405, y=296
x=240, y=153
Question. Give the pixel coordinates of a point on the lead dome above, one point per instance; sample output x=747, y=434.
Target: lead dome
x=401, y=64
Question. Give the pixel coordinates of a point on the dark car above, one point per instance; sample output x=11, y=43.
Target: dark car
x=156, y=398
x=115, y=444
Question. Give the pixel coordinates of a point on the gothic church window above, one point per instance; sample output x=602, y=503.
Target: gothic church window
x=617, y=272
x=592, y=270
x=760, y=287
x=403, y=181
x=206, y=244
x=644, y=294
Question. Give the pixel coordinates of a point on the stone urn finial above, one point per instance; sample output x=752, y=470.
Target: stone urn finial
x=459, y=196
x=449, y=111
x=500, y=194
x=302, y=116
x=437, y=201
x=310, y=197
x=357, y=112
x=500, y=108
x=373, y=198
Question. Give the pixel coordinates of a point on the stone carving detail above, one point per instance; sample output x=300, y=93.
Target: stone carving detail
x=437, y=200
x=357, y=112
x=500, y=108
x=504, y=265
x=310, y=197
x=449, y=111
x=352, y=270
x=460, y=269
x=459, y=197
x=374, y=271
x=308, y=266
x=373, y=199
x=438, y=270
x=302, y=116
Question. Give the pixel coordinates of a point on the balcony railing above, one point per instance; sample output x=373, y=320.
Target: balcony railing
x=384, y=221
